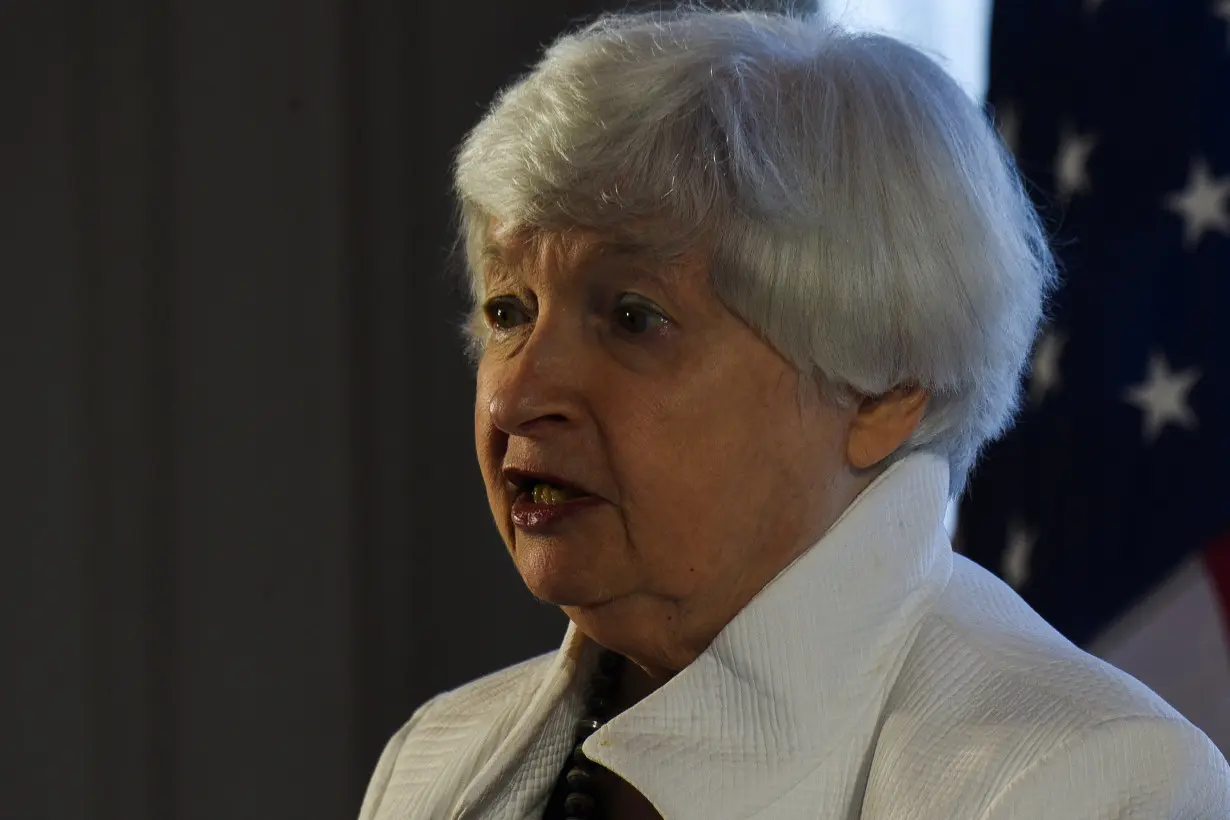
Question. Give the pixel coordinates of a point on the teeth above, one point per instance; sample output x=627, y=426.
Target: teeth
x=547, y=494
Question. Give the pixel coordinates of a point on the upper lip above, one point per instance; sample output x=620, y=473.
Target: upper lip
x=523, y=479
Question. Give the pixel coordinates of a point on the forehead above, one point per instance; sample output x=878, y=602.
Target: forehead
x=529, y=249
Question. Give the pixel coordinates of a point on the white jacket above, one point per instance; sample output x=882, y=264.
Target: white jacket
x=880, y=677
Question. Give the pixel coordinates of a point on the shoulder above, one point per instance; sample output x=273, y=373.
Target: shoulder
x=480, y=696
x=1004, y=712
x=448, y=739
x=983, y=643
x=1141, y=768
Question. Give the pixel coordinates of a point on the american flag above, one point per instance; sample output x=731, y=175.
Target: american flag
x=1108, y=507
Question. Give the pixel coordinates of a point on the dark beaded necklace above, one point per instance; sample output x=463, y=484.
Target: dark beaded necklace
x=574, y=797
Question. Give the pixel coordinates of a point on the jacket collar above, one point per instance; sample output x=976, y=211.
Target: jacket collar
x=793, y=688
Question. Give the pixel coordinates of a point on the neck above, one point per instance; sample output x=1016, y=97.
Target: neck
x=635, y=684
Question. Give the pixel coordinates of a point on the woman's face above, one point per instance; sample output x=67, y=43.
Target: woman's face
x=626, y=380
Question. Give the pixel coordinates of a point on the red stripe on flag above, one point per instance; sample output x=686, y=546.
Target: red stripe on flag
x=1217, y=563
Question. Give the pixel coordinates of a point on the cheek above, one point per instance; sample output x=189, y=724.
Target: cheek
x=704, y=467
x=685, y=502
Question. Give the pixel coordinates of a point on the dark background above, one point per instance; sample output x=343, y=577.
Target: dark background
x=243, y=529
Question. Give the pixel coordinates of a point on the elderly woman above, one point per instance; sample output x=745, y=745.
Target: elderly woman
x=750, y=295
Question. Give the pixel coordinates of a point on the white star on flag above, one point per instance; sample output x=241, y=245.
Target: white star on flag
x=1162, y=397
x=1018, y=555
x=1044, y=376
x=1202, y=204
x=1222, y=10
x=1071, y=173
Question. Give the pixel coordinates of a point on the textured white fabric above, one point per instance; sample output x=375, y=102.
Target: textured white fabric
x=878, y=677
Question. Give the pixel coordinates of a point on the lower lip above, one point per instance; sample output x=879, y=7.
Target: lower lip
x=526, y=515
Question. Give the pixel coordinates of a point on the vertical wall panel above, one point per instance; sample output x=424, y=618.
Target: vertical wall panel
x=122, y=186
x=43, y=494
x=261, y=568
x=383, y=374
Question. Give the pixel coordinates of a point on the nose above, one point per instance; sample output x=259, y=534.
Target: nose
x=537, y=388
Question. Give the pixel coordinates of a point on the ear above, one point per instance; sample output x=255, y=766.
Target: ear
x=882, y=423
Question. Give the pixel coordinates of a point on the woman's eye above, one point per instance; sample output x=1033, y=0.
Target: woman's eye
x=638, y=316
x=504, y=314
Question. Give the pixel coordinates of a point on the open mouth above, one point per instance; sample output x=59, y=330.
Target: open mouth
x=542, y=489
x=545, y=501
x=543, y=493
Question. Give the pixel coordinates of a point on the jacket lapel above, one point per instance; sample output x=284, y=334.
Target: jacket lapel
x=524, y=765
x=780, y=713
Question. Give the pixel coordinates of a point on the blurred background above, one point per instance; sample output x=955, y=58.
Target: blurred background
x=243, y=531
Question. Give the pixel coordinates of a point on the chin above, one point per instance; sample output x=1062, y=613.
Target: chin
x=556, y=575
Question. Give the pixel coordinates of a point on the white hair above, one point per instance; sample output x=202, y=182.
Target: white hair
x=861, y=212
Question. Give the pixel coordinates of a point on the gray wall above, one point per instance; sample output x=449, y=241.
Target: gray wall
x=244, y=534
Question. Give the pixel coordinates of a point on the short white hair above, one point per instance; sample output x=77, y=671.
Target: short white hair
x=861, y=211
